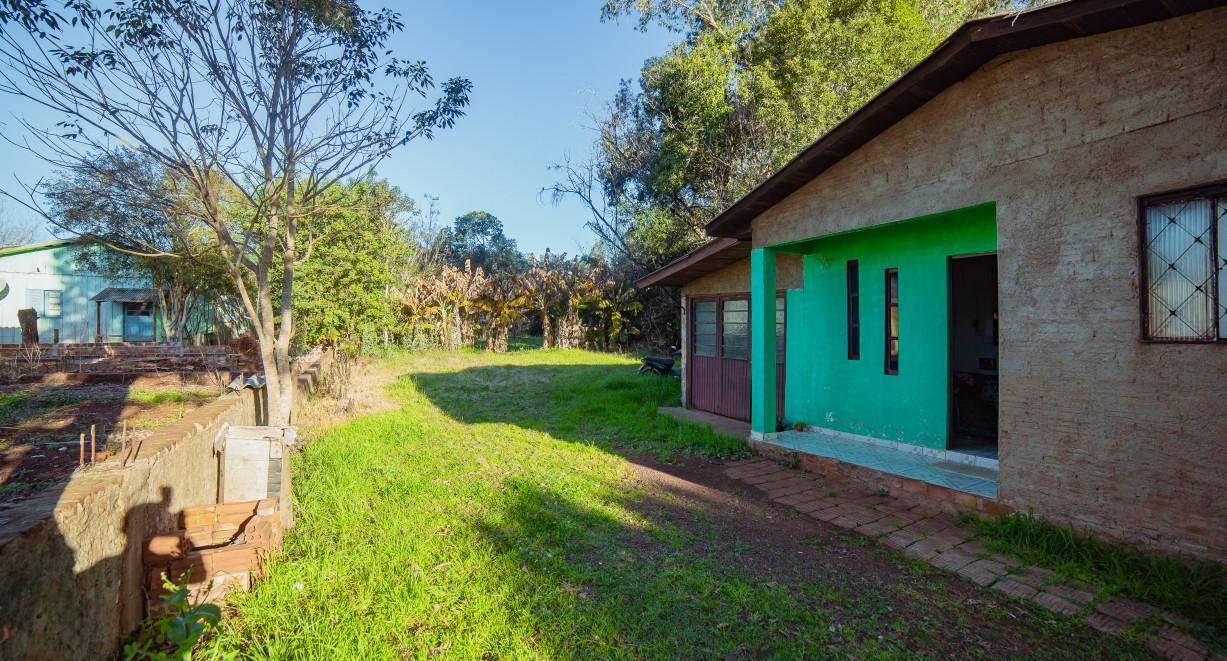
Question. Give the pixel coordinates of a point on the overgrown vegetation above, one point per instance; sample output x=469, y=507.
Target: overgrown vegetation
x=173, y=636
x=491, y=514
x=1182, y=584
x=747, y=85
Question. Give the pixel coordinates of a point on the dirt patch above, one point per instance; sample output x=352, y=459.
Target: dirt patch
x=938, y=613
x=40, y=428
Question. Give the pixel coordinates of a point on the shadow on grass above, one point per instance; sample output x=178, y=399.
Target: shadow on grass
x=595, y=585
x=608, y=406
x=681, y=580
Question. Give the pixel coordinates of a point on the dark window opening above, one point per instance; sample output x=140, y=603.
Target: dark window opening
x=854, y=310
x=892, y=321
x=1184, y=254
x=974, y=353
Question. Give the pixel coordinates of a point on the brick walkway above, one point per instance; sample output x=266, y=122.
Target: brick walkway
x=928, y=534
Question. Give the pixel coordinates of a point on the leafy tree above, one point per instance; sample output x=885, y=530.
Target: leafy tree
x=366, y=243
x=117, y=202
x=259, y=108
x=747, y=86
x=477, y=237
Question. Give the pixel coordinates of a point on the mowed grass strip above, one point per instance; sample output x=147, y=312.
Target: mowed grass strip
x=491, y=517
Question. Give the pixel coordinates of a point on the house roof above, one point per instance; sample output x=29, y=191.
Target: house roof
x=121, y=295
x=969, y=48
x=5, y=251
x=708, y=258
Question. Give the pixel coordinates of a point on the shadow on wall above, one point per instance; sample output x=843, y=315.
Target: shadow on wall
x=71, y=585
x=49, y=597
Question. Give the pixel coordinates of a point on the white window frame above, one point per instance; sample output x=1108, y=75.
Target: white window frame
x=59, y=303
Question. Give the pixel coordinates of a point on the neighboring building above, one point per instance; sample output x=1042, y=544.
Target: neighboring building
x=73, y=306
x=1015, y=257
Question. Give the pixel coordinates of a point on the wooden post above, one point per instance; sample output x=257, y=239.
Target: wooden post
x=93, y=447
x=82, y=446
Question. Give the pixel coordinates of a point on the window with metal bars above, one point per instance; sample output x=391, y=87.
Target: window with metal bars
x=1184, y=259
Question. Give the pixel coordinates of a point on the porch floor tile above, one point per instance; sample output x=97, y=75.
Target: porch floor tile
x=887, y=460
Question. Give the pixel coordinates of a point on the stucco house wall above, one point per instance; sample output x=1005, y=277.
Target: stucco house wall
x=1096, y=426
x=51, y=267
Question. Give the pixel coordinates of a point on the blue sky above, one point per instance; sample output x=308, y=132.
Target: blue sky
x=535, y=67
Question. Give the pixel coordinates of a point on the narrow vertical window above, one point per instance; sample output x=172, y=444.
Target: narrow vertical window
x=854, y=310
x=706, y=335
x=780, y=328
x=892, y=321
x=51, y=306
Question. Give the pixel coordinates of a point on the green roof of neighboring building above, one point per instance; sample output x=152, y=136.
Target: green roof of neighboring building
x=5, y=251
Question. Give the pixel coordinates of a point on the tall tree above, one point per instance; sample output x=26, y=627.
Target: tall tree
x=747, y=86
x=477, y=237
x=269, y=104
x=119, y=201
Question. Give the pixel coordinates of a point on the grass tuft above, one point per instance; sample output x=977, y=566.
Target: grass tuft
x=1186, y=585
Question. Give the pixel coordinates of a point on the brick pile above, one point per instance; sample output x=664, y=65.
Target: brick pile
x=208, y=553
x=129, y=356
x=923, y=531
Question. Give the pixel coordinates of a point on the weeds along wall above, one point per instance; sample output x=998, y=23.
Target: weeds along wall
x=71, y=571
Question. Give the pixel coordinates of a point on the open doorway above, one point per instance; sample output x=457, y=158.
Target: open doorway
x=973, y=354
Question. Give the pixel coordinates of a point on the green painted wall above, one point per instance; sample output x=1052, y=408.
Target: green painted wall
x=826, y=389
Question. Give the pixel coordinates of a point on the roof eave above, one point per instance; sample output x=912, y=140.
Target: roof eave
x=681, y=270
x=974, y=44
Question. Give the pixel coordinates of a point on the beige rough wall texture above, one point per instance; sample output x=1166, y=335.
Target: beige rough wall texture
x=735, y=278
x=1097, y=427
x=732, y=279
x=70, y=558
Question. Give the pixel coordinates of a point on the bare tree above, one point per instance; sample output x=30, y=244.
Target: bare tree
x=14, y=232
x=256, y=107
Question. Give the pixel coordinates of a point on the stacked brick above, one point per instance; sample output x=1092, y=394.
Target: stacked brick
x=125, y=355
x=217, y=550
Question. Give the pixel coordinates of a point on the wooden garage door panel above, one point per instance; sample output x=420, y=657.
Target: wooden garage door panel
x=719, y=356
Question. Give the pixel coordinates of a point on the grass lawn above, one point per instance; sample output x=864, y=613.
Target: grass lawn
x=534, y=505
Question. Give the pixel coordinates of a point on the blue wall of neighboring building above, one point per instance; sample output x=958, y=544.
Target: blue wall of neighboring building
x=29, y=272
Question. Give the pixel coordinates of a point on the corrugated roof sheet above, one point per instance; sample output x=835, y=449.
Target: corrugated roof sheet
x=120, y=295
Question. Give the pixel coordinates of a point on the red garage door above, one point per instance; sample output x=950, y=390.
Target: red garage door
x=720, y=354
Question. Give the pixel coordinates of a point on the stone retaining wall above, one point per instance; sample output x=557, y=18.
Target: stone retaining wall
x=70, y=557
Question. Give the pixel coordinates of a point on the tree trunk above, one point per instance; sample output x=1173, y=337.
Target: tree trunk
x=547, y=331
x=496, y=341
x=29, y=326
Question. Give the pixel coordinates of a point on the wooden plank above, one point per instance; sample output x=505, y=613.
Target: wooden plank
x=246, y=466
